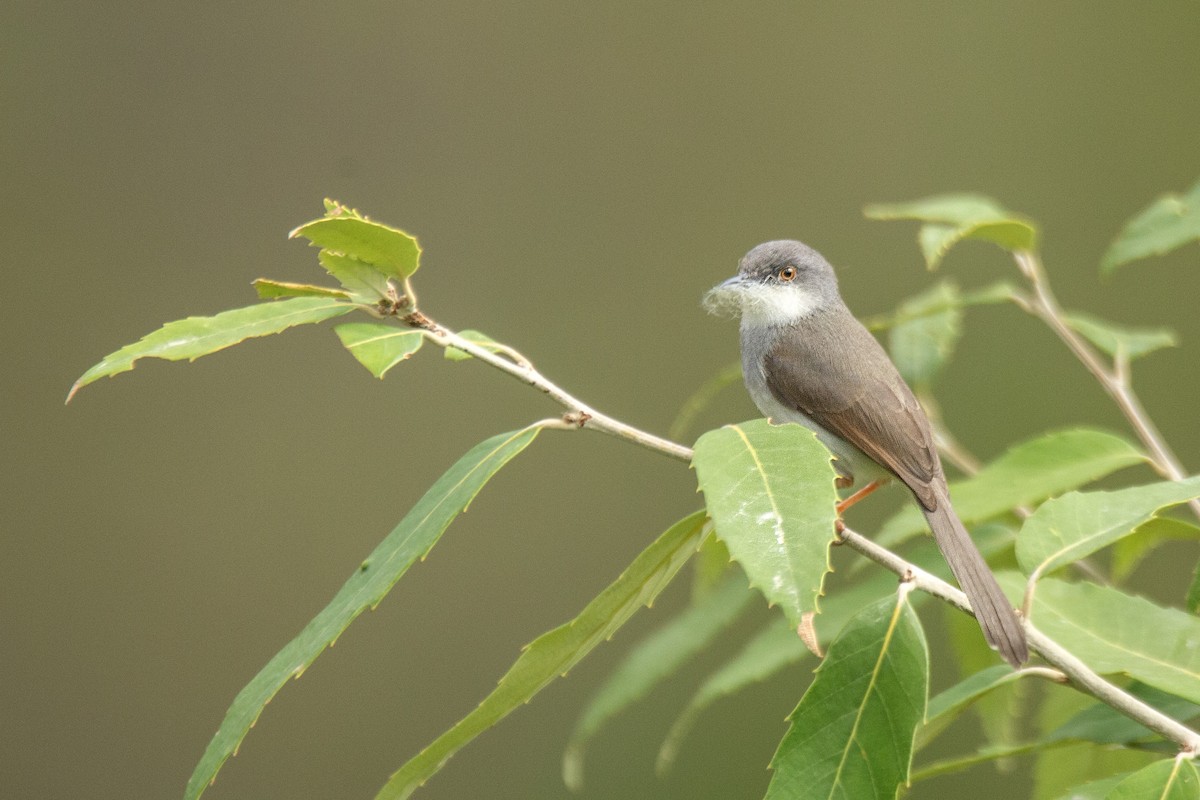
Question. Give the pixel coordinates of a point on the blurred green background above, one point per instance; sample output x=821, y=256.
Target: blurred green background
x=578, y=175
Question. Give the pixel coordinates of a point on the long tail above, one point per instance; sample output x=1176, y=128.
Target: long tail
x=995, y=613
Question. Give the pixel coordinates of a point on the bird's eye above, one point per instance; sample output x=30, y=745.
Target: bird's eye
x=788, y=273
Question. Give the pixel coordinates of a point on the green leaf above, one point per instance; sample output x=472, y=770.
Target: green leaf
x=654, y=659
x=1068, y=528
x=477, y=337
x=709, y=567
x=1114, y=632
x=413, y=538
x=554, y=653
x=993, y=293
x=702, y=398
x=364, y=282
x=924, y=340
x=198, y=336
x=1127, y=553
x=1169, y=222
x=952, y=218
x=1102, y=724
x=775, y=647
x=852, y=734
x=390, y=250
x=1027, y=474
x=379, y=346
x=1170, y=779
x=270, y=290
x=949, y=704
x=1117, y=339
x=770, y=492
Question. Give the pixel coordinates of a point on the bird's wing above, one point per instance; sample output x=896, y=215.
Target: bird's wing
x=861, y=399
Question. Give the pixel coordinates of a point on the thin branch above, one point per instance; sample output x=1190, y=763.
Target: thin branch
x=579, y=414
x=1115, y=379
x=1079, y=674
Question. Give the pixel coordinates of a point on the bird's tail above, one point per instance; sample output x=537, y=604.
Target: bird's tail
x=995, y=613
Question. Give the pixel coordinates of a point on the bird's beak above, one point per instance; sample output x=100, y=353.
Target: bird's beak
x=725, y=299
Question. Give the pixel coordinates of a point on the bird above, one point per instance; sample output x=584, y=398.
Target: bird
x=807, y=359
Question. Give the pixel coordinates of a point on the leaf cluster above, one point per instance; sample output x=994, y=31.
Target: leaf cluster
x=766, y=531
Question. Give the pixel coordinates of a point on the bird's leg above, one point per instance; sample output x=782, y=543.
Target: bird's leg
x=859, y=495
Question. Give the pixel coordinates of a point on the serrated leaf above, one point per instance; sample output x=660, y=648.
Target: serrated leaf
x=654, y=659
x=710, y=566
x=1128, y=552
x=1115, y=632
x=1068, y=528
x=379, y=346
x=413, y=538
x=554, y=653
x=952, y=218
x=1170, y=779
x=1169, y=222
x=770, y=492
x=1103, y=724
x=390, y=250
x=191, y=338
x=775, y=647
x=476, y=337
x=1113, y=339
x=923, y=341
x=1026, y=474
x=364, y=282
x=852, y=734
x=269, y=290
x=947, y=705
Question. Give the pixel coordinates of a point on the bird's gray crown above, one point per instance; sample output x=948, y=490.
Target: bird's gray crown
x=778, y=283
x=765, y=261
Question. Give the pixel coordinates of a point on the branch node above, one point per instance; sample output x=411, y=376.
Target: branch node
x=576, y=418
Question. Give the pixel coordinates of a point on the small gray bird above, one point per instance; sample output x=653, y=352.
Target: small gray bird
x=806, y=359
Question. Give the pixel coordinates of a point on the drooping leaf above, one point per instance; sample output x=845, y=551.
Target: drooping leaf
x=1102, y=724
x=1114, y=632
x=1169, y=222
x=413, y=538
x=554, y=653
x=1113, y=339
x=654, y=659
x=852, y=734
x=952, y=218
x=270, y=290
x=1127, y=553
x=366, y=283
x=390, y=250
x=776, y=647
x=947, y=705
x=923, y=341
x=702, y=398
x=198, y=336
x=770, y=492
x=476, y=337
x=1068, y=528
x=1027, y=474
x=999, y=713
x=379, y=346
x=1169, y=779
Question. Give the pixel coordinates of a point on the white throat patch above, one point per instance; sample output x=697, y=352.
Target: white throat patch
x=762, y=305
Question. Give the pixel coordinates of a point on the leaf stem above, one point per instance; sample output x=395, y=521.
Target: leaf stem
x=1114, y=379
